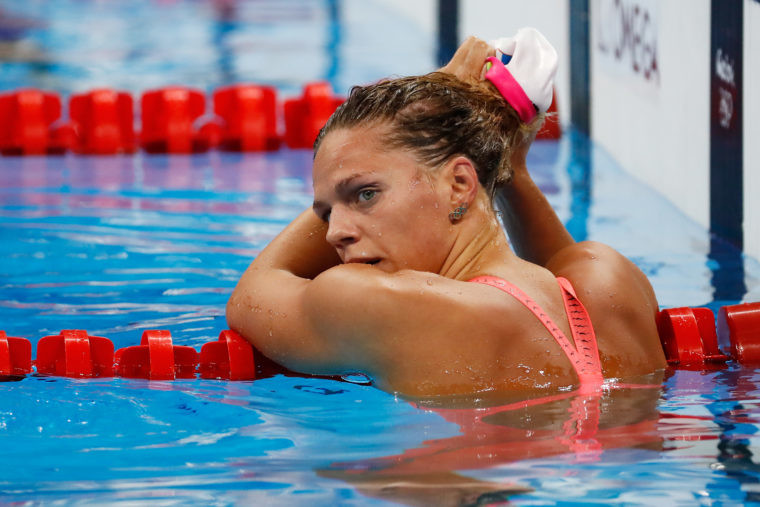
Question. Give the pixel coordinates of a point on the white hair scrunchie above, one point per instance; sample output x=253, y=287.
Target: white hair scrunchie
x=531, y=65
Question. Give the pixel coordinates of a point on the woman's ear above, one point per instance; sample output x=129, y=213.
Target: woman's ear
x=463, y=181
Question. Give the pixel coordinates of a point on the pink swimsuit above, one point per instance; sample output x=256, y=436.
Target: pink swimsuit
x=585, y=355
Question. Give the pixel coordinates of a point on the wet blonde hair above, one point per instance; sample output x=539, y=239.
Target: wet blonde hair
x=437, y=116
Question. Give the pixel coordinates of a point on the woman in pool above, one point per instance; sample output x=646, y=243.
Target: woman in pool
x=401, y=270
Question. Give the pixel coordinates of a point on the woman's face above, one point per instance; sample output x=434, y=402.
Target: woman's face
x=382, y=206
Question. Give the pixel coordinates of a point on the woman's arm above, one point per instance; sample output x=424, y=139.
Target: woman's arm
x=535, y=230
x=300, y=249
x=267, y=306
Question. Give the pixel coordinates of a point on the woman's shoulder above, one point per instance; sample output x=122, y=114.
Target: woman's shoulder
x=359, y=285
x=620, y=301
x=594, y=267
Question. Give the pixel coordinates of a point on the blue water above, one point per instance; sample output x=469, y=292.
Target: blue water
x=116, y=245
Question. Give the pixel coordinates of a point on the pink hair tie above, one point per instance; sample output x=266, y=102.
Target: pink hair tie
x=510, y=89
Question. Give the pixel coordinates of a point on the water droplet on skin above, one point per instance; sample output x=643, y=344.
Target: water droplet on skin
x=379, y=233
x=435, y=205
x=429, y=282
x=270, y=332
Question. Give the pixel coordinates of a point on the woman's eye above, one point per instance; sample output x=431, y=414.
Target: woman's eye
x=367, y=195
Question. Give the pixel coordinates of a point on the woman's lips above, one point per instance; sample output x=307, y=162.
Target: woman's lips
x=370, y=261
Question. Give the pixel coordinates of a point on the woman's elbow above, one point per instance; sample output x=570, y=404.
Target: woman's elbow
x=239, y=305
x=233, y=311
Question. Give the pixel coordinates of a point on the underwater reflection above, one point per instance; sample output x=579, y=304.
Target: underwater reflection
x=736, y=411
x=577, y=425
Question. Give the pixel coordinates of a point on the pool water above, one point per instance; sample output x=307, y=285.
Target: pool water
x=119, y=244
x=116, y=245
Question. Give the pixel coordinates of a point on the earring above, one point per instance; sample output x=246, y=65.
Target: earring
x=457, y=214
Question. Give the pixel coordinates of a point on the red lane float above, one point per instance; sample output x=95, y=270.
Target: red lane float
x=74, y=353
x=26, y=123
x=739, y=325
x=305, y=116
x=230, y=357
x=551, y=128
x=688, y=337
x=168, y=118
x=249, y=114
x=103, y=122
x=15, y=356
x=156, y=358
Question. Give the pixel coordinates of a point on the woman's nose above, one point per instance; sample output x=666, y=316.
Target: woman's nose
x=341, y=231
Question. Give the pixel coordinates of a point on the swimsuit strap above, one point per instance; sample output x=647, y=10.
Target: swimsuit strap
x=583, y=332
x=585, y=355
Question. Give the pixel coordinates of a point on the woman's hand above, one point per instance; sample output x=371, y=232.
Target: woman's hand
x=468, y=63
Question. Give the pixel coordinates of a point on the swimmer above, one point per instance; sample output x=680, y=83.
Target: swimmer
x=401, y=269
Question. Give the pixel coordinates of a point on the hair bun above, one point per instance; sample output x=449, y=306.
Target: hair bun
x=532, y=61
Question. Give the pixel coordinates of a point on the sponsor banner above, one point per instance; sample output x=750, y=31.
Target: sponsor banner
x=626, y=39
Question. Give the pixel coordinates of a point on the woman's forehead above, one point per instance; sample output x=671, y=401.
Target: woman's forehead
x=349, y=153
x=343, y=142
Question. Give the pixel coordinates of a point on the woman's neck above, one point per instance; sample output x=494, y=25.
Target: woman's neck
x=480, y=247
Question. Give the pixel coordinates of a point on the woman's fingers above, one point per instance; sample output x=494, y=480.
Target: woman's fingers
x=468, y=62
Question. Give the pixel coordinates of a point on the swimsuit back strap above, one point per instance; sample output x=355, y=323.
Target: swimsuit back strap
x=585, y=359
x=583, y=333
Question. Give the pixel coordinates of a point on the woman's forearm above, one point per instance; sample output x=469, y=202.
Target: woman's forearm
x=300, y=248
x=534, y=229
x=271, y=285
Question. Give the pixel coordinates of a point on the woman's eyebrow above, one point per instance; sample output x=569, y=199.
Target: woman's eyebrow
x=343, y=187
x=345, y=183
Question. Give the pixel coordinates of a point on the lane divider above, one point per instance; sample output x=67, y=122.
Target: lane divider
x=230, y=357
x=156, y=358
x=689, y=337
x=76, y=354
x=15, y=355
x=741, y=323
x=173, y=119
